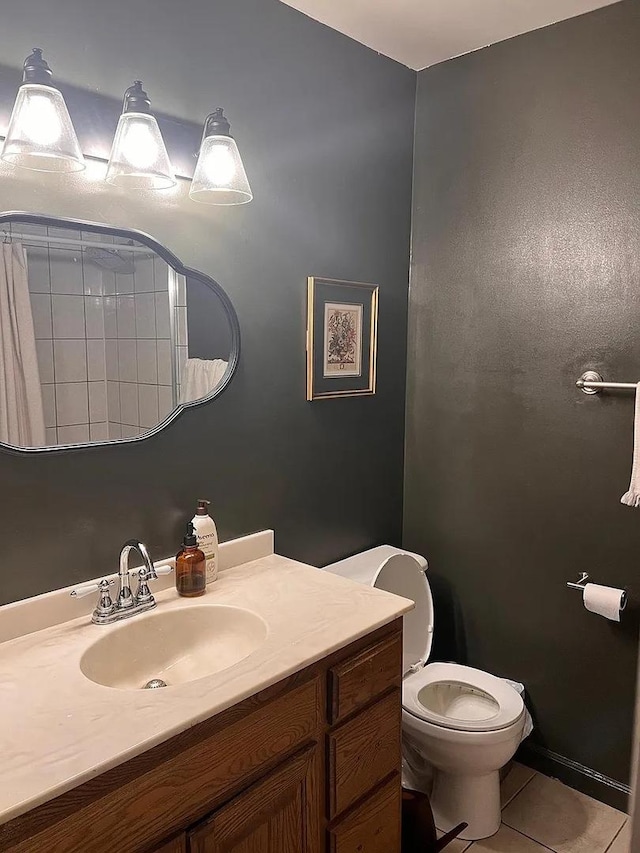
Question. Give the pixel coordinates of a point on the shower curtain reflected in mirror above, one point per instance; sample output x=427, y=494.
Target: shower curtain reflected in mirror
x=200, y=377
x=21, y=411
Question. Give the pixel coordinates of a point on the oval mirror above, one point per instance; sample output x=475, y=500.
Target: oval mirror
x=105, y=336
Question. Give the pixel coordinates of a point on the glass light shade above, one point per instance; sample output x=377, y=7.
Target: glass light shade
x=220, y=177
x=139, y=158
x=40, y=134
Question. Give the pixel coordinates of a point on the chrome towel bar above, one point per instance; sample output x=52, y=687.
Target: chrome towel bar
x=591, y=383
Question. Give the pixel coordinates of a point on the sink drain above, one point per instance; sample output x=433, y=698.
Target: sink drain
x=154, y=684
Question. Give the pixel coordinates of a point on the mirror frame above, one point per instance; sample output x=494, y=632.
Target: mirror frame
x=173, y=261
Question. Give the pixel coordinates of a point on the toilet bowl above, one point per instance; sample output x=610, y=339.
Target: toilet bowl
x=465, y=722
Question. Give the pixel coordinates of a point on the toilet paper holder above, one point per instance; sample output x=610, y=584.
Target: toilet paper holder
x=581, y=583
x=605, y=601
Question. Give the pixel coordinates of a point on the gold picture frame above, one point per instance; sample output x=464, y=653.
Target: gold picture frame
x=342, y=338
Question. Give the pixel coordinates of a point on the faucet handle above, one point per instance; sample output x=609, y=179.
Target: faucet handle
x=143, y=593
x=152, y=574
x=105, y=606
x=88, y=588
x=165, y=569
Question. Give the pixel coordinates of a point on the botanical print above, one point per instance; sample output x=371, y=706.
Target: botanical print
x=342, y=339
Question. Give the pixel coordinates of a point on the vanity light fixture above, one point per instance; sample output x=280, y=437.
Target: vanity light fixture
x=139, y=158
x=41, y=135
x=219, y=177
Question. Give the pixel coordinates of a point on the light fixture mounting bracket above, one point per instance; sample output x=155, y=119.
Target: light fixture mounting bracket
x=36, y=69
x=216, y=124
x=136, y=99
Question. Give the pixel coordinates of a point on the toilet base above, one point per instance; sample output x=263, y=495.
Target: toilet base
x=473, y=799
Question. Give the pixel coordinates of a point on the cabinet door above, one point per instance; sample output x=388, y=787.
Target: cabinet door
x=373, y=827
x=279, y=814
x=176, y=845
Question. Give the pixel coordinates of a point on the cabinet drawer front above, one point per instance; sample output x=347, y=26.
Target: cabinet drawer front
x=374, y=827
x=363, y=751
x=356, y=682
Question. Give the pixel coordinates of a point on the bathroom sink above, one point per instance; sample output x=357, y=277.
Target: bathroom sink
x=173, y=647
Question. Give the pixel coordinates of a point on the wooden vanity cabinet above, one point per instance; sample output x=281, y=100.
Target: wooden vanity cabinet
x=178, y=844
x=310, y=765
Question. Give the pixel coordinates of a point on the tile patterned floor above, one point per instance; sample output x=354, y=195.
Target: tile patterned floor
x=541, y=815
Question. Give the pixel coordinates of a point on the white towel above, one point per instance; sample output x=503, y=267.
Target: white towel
x=200, y=377
x=632, y=497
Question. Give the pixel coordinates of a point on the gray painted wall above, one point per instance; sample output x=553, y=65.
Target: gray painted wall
x=332, y=198
x=526, y=271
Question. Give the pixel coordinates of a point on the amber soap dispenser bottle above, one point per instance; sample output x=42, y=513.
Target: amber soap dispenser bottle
x=191, y=566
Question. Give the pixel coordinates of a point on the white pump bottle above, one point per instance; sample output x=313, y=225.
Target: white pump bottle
x=207, y=535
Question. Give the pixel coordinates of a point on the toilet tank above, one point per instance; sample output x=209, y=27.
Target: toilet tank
x=362, y=567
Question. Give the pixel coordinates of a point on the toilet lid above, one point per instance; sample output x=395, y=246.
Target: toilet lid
x=402, y=575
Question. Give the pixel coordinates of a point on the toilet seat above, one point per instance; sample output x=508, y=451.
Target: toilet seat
x=448, y=695
x=461, y=698
x=445, y=694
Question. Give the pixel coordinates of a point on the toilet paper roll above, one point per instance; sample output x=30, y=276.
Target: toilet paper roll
x=604, y=600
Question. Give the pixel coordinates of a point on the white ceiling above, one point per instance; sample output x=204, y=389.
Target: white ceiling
x=419, y=33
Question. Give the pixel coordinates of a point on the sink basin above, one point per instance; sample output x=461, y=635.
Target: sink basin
x=175, y=646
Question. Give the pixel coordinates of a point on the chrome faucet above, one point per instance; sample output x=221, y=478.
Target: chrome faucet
x=127, y=603
x=125, y=596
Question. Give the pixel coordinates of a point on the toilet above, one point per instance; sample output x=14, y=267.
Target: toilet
x=467, y=724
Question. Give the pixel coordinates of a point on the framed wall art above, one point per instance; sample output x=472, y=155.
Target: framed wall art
x=342, y=338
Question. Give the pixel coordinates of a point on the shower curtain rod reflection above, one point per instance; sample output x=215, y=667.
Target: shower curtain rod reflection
x=13, y=236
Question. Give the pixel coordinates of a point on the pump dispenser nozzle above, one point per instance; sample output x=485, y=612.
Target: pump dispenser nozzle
x=203, y=507
x=190, y=540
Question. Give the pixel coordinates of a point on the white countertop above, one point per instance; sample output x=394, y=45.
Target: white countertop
x=58, y=729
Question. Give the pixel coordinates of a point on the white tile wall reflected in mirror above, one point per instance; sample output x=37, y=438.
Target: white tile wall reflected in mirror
x=111, y=321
